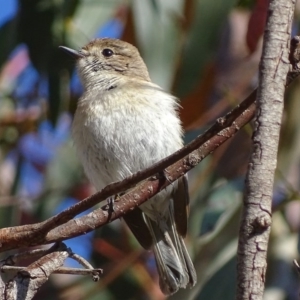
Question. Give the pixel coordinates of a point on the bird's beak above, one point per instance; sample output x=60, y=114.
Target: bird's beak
x=75, y=54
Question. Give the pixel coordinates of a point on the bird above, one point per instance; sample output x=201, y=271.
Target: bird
x=123, y=124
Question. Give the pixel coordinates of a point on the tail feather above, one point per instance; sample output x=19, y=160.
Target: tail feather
x=181, y=249
x=188, y=264
x=161, y=223
x=174, y=265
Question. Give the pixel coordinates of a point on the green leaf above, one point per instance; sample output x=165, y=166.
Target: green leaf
x=215, y=250
x=158, y=37
x=225, y=284
x=89, y=17
x=202, y=42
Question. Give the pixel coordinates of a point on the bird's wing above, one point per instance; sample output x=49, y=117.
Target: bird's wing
x=181, y=205
x=135, y=221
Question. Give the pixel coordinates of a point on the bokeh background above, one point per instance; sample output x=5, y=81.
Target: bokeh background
x=206, y=53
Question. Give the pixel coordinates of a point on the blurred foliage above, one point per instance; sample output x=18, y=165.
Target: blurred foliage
x=206, y=53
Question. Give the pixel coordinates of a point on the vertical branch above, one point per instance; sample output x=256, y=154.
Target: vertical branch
x=256, y=216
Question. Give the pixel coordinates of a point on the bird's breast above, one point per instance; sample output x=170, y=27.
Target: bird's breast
x=116, y=136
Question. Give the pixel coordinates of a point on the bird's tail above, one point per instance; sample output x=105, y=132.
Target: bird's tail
x=174, y=264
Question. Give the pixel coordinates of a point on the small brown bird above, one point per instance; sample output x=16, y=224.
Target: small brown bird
x=124, y=123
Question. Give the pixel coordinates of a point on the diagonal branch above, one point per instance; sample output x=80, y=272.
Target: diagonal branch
x=63, y=226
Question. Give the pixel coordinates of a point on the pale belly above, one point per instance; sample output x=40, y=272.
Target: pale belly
x=115, y=145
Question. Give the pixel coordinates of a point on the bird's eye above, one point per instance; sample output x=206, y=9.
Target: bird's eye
x=107, y=52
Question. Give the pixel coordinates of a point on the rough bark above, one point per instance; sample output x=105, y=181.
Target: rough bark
x=256, y=216
x=30, y=279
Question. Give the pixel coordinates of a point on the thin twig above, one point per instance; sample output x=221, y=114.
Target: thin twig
x=7, y=265
x=82, y=261
x=63, y=270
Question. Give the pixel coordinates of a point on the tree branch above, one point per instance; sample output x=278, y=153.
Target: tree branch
x=61, y=270
x=62, y=226
x=256, y=217
x=29, y=279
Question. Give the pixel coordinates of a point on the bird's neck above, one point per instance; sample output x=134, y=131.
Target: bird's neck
x=102, y=83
